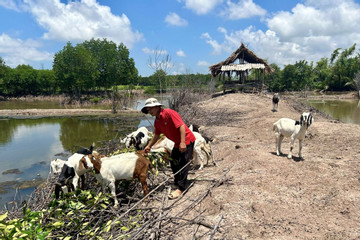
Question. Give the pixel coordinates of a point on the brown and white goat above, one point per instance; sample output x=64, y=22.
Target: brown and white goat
x=123, y=166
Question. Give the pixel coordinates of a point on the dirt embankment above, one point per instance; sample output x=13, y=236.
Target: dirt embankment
x=269, y=196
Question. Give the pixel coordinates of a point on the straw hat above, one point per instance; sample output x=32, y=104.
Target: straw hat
x=150, y=102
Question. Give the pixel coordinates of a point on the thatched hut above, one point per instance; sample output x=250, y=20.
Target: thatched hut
x=248, y=61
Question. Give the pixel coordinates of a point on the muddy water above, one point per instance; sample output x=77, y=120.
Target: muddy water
x=347, y=111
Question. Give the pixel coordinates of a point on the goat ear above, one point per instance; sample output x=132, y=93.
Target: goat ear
x=311, y=119
x=83, y=163
x=301, y=119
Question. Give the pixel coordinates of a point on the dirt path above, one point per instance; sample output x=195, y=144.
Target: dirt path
x=269, y=196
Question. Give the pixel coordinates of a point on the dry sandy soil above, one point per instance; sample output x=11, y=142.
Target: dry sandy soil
x=268, y=196
x=265, y=196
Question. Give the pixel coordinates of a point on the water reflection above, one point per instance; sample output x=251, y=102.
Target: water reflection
x=347, y=111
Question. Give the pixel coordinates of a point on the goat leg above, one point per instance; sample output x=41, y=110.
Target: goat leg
x=300, y=147
x=291, y=147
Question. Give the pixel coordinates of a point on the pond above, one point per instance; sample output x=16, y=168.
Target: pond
x=28, y=145
x=347, y=111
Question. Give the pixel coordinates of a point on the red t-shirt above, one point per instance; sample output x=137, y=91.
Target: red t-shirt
x=168, y=123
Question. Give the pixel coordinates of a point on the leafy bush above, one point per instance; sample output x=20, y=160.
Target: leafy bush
x=95, y=99
x=149, y=90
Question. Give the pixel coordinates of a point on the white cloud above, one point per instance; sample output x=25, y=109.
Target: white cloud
x=316, y=20
x=17, y=51
x=175, y=20
x=180, y=53
x=202, y=6
x=203, y=63
x=154, y=51
x=9, y=4
x=82, y=20
x=217, y=47
x=242, y=9
x=309, y=32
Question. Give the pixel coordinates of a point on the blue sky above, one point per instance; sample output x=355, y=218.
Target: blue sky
x=194, y=33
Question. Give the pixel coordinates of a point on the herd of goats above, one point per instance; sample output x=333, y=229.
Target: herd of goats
x=123, y=166
x=135, y=165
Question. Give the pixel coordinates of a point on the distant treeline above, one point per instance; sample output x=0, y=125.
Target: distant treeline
x=99, y=65
x=339, y=73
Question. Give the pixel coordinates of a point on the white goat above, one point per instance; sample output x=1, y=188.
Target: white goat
x=286, y=127
x=163, y=144
x=123, y=166
x=202, y=150
x=275, y=101
x=201, y=153
x=139, y=138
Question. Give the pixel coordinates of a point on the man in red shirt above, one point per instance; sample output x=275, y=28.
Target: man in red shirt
x=169, y=123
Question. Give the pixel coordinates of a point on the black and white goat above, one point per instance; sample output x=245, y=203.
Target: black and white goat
x=139, y=138
x=275, y=102
x=56, y=166
x=123, y=166
x=286, y=127
x=74, y=169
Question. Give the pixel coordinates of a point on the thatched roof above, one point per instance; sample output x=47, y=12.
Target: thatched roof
x=252, y=61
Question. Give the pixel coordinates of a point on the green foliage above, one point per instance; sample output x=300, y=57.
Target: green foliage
x=29, y=227
x=75, y=69
x=149, y=90
x=336, y=74
x=274, y=82
x=75, y=215
x=95, y=99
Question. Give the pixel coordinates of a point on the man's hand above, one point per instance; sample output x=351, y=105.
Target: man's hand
x=147, y=149
x=182, y=147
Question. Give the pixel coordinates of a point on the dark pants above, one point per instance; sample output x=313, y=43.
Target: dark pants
x=178, y=161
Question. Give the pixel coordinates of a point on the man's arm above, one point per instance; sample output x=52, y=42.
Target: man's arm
x=182, y=146
x=151, y=143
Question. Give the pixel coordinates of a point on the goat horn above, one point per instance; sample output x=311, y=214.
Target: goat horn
x=67, y=180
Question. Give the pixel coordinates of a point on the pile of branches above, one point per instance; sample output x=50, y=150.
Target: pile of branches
x=89, y=213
